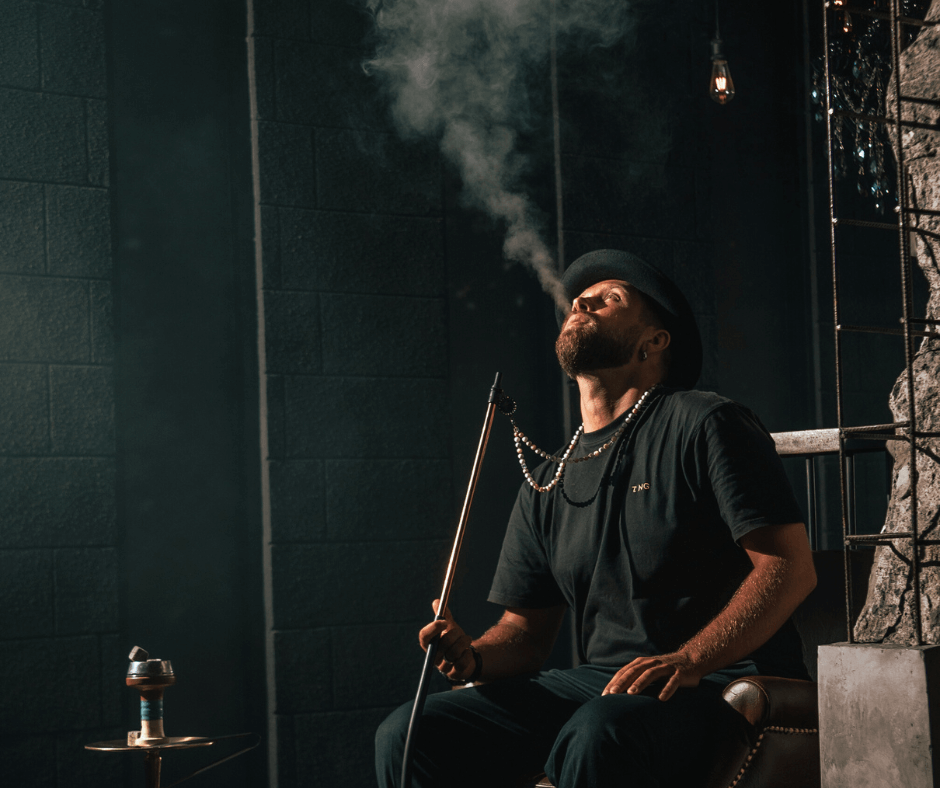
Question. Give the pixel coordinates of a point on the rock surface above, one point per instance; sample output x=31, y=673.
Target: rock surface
x=888, y=613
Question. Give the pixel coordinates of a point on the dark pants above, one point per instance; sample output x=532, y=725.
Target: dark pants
x=557, y=722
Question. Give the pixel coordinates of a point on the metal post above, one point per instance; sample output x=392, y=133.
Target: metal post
x=812, y=514
x=152, y=763
x=835, y=311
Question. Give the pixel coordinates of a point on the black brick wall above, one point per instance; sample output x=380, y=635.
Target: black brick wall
x=356, y=365
x=59, y=563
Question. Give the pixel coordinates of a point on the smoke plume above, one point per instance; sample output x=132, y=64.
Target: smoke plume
x=457, y=71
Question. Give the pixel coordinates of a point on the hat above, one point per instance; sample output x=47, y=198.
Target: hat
x=686, y=344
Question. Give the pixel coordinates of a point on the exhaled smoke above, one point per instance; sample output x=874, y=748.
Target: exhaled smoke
x=457, y=71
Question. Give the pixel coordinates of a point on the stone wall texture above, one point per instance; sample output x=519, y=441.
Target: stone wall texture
x=888, y=613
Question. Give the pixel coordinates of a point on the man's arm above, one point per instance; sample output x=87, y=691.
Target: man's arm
x=782, y=577
x=519, y=642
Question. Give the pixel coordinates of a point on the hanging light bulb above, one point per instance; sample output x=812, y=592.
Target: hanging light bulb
x=721, y=87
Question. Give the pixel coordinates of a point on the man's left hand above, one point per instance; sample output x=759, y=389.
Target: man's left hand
x=677, y=669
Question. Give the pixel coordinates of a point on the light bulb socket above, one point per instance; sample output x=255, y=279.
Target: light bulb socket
x=718, y=52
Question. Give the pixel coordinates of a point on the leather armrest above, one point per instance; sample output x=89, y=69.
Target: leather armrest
x=770, y=701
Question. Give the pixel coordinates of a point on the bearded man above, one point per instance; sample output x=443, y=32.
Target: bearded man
x=669, y=530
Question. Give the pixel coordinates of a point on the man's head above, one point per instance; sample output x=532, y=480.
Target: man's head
x=610, y=322
x=618, y=302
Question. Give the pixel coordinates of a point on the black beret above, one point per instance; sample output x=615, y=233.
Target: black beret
x=686, y=342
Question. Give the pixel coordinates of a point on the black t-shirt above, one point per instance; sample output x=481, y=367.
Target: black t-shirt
x=641, y=541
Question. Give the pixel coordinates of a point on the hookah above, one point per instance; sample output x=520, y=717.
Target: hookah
x=151, y=678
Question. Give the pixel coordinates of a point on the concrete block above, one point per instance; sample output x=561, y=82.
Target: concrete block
x=419, y=493
x=96, y=129
x=82, y=410
x=692, y=271
x=579, y=242
x=292, y=332
x=26, y=589
x=282, y=18
x=297, y=501
x=879, y=718
x=351, y=252
x=77, y=766
x=285, y=153
x=102, y=322
x=365, y=171
x=395, y=336
x=332, y=745
x=366, y=417
x=634, y=198
x=354, y=651
x=32, y=706
x=275, y=415
x=86, y=590
x=19, y=52
x=303, y=671
x=324, y=86
x=57, y=501
x=270, y=249
x=286, y=751
x=338, y=22
x=42, y=137
x=91, y=4
x=78, y=232
x=264, y=76
x=704, y=222
x=43, y=319
x=711, y=347
x=72, y=51
x=28, y=760
x=24, y=417
x=333, y=584
x=113, y=670
x=22, y=238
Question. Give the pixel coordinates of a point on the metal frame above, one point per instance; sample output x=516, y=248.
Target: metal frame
x=812, y=444
x=905, y=430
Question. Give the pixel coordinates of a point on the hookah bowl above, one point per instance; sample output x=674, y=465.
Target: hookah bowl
x=150, y=677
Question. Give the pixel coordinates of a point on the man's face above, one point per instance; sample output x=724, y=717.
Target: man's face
x=602, y=329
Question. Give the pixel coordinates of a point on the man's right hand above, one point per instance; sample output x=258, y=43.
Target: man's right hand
x=454, y=658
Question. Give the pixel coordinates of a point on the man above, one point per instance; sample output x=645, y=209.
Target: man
x=669, y=530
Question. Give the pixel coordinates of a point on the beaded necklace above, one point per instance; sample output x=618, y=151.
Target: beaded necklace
x=519, y=437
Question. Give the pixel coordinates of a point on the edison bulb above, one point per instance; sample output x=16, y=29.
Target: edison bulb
x=721, y=88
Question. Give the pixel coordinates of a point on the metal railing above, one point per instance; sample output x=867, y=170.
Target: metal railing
x=811, y=445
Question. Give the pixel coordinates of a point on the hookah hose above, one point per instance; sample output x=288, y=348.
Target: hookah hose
x=414, y=723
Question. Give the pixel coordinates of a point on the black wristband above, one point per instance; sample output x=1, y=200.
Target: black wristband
x=477, y=671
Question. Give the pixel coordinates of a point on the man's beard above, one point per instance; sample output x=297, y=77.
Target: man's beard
x=581, y=347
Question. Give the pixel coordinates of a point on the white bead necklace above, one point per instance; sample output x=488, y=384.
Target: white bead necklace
x=519, y=437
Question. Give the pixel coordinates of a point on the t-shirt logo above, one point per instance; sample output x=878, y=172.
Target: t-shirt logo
x=641, y=487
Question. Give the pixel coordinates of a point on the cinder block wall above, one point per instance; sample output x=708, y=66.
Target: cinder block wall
x=355, y=364
x=58, y=559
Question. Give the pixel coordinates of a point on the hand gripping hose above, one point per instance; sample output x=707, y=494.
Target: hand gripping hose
x=414, y=723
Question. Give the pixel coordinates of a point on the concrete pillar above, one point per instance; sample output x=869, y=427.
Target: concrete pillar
x=878, y=715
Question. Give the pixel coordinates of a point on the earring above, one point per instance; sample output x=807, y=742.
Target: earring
x=642, y=355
